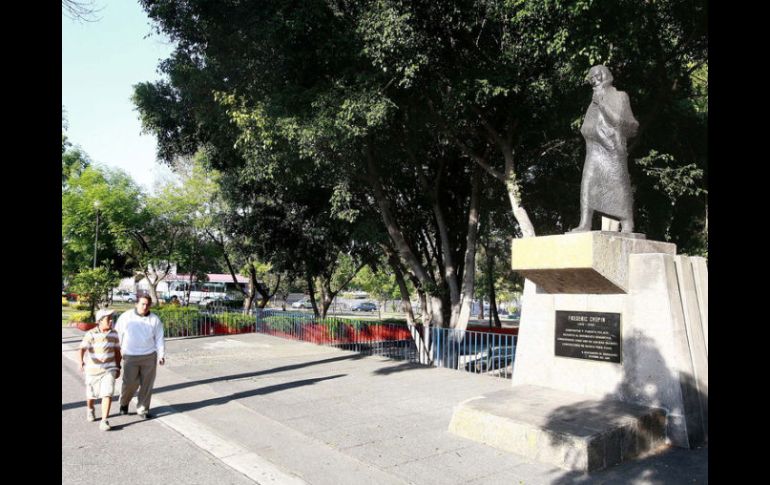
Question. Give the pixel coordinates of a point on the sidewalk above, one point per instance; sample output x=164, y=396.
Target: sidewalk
x=268, y=410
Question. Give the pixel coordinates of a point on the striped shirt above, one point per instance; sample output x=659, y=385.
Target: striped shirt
x=100, y=351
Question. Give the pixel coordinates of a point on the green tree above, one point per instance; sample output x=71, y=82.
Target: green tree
x=390, y=110
x=94, y=285
x=119, y=202
x=73, y=159
x=379, y=281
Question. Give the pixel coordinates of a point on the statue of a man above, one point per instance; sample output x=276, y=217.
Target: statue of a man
x=609, y=122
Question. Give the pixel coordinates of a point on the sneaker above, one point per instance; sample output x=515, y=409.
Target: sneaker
x=105, y=425
x=90, y=415
x=146, y=415
x=123, y=410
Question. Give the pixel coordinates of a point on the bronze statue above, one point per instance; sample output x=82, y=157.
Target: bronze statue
x=609, y=122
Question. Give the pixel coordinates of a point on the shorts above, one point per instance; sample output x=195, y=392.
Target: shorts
x=99, y=386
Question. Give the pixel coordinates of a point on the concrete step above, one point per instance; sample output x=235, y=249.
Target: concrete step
x=568, y=430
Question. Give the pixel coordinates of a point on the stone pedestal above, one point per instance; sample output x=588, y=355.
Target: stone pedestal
x=581, y=263
x=661, y=302
x=568, y=430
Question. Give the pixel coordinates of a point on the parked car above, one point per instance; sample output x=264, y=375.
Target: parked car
x=302, y=304
x=226, y=301
x=123, y=295
x=364, y=306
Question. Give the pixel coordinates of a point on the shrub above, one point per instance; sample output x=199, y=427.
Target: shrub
x=176, y=318
x=93, y=285
x=80, y=317
x=280, y=323
x=64, y=302
x=395, y=321
x=82, y=306
x=236, y=320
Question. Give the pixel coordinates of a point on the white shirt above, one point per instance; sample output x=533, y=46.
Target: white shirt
x=140, y=335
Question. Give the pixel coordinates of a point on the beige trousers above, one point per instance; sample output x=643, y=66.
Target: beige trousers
x=138, y=372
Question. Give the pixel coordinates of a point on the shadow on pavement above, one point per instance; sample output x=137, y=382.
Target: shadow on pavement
x=165, y=410
x=406, y=366
x=246, y=375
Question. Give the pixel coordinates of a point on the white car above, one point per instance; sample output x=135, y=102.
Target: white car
x=302, y=304
x=123, y=295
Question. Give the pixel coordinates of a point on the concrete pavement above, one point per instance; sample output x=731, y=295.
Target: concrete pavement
x=259, y=409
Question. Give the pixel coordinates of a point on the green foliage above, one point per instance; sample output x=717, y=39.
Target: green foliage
x=177, y=319
x=86, y=317
x=235, y=320
x=302, y=105
x=681, y=188
x=280, y=323
x=73, y=159
x=700, y=83
x=94, y=285
x=121, y=214
x=380, y=283
x=674, y=181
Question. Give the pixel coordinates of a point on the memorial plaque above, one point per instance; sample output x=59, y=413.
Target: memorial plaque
x=588, y=335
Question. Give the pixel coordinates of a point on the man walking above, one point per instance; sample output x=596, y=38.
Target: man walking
x=142, y=347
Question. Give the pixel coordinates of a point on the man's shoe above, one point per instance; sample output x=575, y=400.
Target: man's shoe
x=90, y=415
x=123, y=410
x=105, y=425
x=146, y=415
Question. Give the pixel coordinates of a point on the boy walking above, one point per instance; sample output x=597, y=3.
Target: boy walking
x=102, y=366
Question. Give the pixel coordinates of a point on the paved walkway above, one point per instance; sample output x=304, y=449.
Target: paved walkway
x=260, y=409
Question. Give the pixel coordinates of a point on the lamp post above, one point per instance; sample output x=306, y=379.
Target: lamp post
x=96, y=233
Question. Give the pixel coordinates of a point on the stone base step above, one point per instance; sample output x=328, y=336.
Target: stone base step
x=568, y=430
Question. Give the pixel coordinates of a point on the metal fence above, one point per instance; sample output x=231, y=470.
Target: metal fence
x=474, y=352
x=469, y=351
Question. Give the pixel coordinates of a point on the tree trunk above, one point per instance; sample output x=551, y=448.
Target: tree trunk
x=311, y=290
x=248, y=296
x=512, y=186
x=252, y=293
x=461, y=303
x=508, y=177
x=395, y=233
x=327, y=295
x=492, y=297
x=154, y=291
x=450, y=270
x=493, y=315
x=423, y=350
x=469, y=265
x=481, y=308
x=264, y=291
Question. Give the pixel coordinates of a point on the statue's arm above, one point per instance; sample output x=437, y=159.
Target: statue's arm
x=631, y=125
x=610, y=108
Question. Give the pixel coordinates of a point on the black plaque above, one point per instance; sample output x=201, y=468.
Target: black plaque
x=588, y=335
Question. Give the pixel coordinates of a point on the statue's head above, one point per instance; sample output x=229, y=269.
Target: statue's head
x=599, y=76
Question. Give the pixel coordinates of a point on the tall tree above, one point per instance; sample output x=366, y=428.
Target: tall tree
x=73, y=159
x=119, y=203
x=389, y=109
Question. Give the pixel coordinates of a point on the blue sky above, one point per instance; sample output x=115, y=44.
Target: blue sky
x=101, y=61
